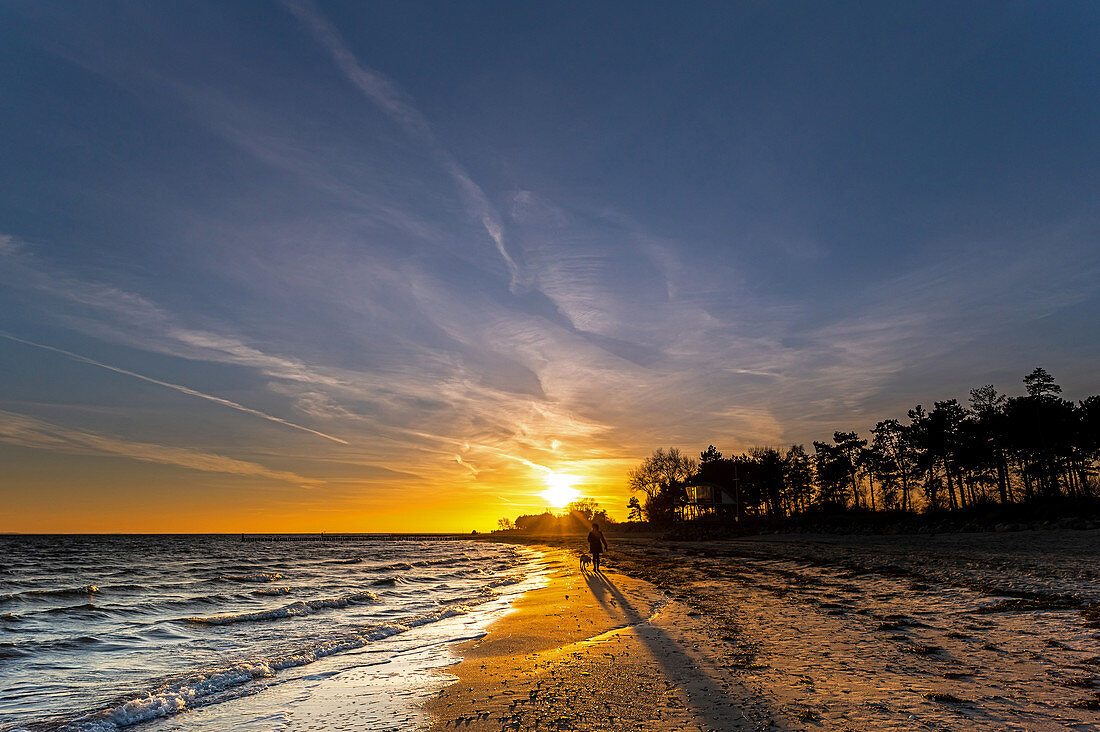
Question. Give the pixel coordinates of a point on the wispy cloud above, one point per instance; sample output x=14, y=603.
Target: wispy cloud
x=175, y=387
x=25, y=431
x=8, y=244
x=386, y=406
x=397, y=399
x=388, y=96
x=474, y=471
x=267, y=142
x=719, y=361
x=315, y=247
x=625, y=344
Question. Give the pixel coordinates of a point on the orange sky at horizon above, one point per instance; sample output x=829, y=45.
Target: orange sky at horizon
x=332, y=266
x=96, y=494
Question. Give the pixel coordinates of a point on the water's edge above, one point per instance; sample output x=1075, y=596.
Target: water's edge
x=145, y=632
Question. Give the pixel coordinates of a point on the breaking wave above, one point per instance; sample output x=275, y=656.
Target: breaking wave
x=174, y=623
x=255, y=577
x=271, y=591
x=297, y=609
x=84, y=591
x=205, y=686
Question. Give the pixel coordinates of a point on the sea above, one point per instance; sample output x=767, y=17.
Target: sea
x=220, y=632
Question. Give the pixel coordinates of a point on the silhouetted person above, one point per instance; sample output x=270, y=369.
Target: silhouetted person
x=596, y=544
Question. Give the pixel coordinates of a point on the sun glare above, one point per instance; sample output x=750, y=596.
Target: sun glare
x=560, y=491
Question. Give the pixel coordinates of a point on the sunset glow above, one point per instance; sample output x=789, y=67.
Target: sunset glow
x=630, y=334
x=560, y=491
x=335, y=267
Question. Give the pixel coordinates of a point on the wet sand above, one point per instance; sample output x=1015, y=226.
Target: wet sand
x=592, y=651
x=988, y=632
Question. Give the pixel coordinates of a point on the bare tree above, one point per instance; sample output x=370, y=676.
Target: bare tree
x=661, y=477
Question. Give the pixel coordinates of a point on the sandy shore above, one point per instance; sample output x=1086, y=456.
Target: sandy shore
x=861, y=633
x=594, y=651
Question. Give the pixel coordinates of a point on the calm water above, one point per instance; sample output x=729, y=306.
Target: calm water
x=107, y=632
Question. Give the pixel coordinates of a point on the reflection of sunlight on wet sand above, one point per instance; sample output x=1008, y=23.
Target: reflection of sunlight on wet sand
x=592, y=651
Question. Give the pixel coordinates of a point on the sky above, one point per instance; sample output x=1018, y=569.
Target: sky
x=321, y=266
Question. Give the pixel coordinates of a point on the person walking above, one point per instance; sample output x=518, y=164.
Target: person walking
x=596, y=544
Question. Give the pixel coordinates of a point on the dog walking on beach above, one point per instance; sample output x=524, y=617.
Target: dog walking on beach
x=596, y=544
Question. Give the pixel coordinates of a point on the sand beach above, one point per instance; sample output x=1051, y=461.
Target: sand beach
x=592, y=651
x=962, y=631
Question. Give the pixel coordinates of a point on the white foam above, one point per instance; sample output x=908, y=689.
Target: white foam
x=297, y=609
x=201, y=674
x=67, y=592
x=202, y=688
x=255, y=577
x=272, y=591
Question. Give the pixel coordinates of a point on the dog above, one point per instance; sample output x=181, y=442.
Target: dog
x=586, y=562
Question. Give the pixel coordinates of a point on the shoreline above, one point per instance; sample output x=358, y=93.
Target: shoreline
x=337, y=638
x=884, y=633
x=581, y=652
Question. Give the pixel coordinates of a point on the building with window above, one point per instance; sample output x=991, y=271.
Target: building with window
x=708, y=501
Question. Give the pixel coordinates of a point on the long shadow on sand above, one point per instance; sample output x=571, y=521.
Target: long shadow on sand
x=667, y=652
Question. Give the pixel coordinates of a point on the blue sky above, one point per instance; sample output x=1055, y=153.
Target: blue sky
x=313, y=261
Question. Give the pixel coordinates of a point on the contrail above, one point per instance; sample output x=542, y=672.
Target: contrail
x=176, y=387
x=20, y=429
x=395, y=103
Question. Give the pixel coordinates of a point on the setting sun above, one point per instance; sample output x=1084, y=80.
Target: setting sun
x=560, y=491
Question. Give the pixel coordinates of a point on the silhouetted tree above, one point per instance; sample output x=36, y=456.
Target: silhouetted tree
x=529, y=522
x=1042, y=430
x=894, y=457
x=943, y=428
x=833, y=474
x=751, y=484
x=849, y=451
x=1000, y=449
x=988, y=407
x=1040, y=384
x=798, y=479
x=709, y=455
x=590, y=510
x=881, y=468
x=1088, y=414
x=852, y=448
x=768, y=476
x=724, y=473
x=661, y=477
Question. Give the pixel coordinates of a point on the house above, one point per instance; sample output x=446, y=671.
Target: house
x=707, y=501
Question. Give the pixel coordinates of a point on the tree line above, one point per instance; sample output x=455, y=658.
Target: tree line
x=998, y=449
x=578, y=516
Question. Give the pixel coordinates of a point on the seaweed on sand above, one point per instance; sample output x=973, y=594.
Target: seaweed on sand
x=1026, y=604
